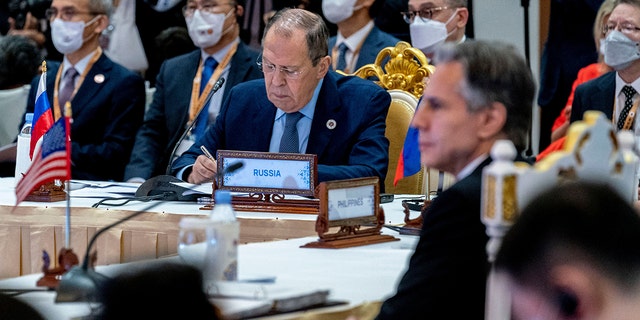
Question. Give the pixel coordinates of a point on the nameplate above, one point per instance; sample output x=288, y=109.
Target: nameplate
x=349, y=202
x=265, y=172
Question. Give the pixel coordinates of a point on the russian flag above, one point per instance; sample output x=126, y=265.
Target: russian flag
x=42, y=116
x=409, y=159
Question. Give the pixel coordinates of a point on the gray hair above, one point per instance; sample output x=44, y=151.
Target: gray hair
x=285, y=21
x=495, y=72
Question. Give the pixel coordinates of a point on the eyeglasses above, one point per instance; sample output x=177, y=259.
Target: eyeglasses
x=625, y=28
x=270, y=69
x=66, y=14
x=423, y=14
x=209, y=7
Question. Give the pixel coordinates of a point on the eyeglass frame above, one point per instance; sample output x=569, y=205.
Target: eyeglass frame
x=209, y=8
x=626, y=28
x=289, y=74
x=409, y=16
x=52, y=13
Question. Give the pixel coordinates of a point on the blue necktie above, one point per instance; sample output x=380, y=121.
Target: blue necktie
x=342, y=57
x=201, y=123
x=289, y=142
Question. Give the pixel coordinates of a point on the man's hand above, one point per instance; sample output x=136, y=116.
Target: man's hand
x=204, y=170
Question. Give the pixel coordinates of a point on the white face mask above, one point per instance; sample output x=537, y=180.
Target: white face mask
x=67, y=35
x=428, y=34
x=337, y=11
x=620, y=51
x=205, y=29
x=602, y=45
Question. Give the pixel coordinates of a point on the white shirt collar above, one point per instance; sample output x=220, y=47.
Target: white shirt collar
x=220, y=54
x=468, y=169
x=355, y=39
x=79, y=66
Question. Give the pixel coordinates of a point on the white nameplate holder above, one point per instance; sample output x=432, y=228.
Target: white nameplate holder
x=353, y=207
x=267, y=177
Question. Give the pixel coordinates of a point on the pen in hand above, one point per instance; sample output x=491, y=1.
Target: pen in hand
x=207, y=153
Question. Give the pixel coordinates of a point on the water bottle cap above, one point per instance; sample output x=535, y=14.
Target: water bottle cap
x=28, y=117
x=223, y=196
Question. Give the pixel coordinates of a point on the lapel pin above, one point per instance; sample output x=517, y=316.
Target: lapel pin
x=331, y=124
x=98, y=78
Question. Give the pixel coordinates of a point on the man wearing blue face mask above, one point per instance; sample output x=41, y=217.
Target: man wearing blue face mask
x=180, y=112
x=107, y=100
x=434, y=22
x=358, y=41
x=616, y=93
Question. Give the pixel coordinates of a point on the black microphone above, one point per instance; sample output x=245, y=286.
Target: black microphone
x=215, y=89
x=165, y=186
x=82, y=283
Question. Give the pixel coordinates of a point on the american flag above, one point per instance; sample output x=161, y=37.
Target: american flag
x=52, y=158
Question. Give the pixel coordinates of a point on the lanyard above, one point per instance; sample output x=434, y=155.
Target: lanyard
x=198, y=100
x=628, y=121
x=56, y=104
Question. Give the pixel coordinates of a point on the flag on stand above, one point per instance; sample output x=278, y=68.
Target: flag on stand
x=51, y=158
x=409, y=159
x=42, y=116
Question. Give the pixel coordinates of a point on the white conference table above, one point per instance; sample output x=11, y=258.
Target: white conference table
x=31, y=227
x=356, y=275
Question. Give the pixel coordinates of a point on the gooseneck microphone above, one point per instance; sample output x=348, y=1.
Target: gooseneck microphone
x=215, y=89
x=82, y=283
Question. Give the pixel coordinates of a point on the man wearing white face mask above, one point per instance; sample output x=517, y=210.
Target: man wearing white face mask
x=214, y=29
x=434, y=22
x=107, y=100
x=616, y=93
x=358, y=41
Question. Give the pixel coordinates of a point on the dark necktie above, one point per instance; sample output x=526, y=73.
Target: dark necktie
x=629, y=92
x=69, y=84
x=210, y=65
x=342, y=57
x=289, y=142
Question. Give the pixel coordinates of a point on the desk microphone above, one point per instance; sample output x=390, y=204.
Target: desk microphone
x=82, y=283
x=215, y=89
x=165, y=186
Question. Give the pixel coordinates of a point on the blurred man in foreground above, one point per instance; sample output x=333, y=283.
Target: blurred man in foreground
x=481, y=92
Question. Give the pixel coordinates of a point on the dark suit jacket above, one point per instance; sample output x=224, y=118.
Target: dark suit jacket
x=168, y=113
x=106, y=117
x=449, y=267
x=372, y=45
x=356, y=147
x=597, y=94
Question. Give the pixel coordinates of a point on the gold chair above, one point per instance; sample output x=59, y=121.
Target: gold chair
x=403, y=76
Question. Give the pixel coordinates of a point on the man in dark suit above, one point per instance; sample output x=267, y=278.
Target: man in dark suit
x=615, y=92
x=107, y=100
x=481, y=92
x=171, y=110
x=341, y=119
x=358, y=41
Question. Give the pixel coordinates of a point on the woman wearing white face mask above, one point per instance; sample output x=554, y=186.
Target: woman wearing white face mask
x=433, y=25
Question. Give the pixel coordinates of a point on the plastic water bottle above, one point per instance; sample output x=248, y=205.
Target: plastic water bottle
x=223, y=257
x=23, y=161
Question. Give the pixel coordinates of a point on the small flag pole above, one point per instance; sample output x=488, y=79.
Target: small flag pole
x=67, y=231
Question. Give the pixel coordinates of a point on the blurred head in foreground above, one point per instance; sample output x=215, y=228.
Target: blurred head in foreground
x=574, y=253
